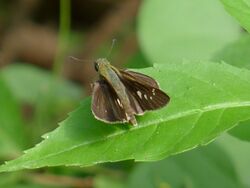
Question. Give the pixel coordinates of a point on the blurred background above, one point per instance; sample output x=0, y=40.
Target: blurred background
x=40, y=84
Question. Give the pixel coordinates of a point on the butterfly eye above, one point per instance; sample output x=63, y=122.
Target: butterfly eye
x=96, y=67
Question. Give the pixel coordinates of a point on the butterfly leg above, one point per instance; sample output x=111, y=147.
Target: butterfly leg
x=132, y=120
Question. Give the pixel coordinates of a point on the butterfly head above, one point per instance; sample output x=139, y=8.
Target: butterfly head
x=101, y=63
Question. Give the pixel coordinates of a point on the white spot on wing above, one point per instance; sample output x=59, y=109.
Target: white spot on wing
x=139, y=94
x=119, y=102
x=151, y=98
x=153, y=91
x=145, y=96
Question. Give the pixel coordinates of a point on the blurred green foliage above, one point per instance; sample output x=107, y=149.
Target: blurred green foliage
x=173, y=30
x=13, y=135
x=204, y=167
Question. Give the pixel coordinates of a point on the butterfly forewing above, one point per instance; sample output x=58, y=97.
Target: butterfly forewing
x=141, y=78
x=106, y=106
x=143, y=92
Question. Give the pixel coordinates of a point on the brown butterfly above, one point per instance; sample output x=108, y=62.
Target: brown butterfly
x=119, y=95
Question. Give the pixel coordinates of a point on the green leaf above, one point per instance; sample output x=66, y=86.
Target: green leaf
x=239, y=152
x=242, y=131
x=30, y=84
x=172, y=30
x=237, y=54
x=192, y=169
x=137, y=61
x=239, y=9
x=13, y=138
x=206, y=99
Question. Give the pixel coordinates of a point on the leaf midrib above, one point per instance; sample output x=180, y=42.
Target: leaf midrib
x=169, y=118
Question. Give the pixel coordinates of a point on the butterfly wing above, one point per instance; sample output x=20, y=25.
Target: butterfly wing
x=142, y=78
x=143, y=92
x=106, y=105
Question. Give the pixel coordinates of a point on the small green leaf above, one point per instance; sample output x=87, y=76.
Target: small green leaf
x=206, y=99
x=12, y=130
x=173, y=30
x=190, y=169
x=240, y=9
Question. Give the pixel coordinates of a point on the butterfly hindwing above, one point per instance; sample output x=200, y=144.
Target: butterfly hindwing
x=106, y=105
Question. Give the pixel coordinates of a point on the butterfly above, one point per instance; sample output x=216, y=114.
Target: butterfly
x=119, y=95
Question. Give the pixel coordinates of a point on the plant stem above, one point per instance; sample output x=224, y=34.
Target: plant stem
x=60, y=181
x=45, y=107
x=63, y=36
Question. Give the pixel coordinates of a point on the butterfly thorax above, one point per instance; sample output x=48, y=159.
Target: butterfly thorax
x=110, y=74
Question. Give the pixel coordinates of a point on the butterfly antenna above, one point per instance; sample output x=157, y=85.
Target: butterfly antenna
x=111, y=48
x=79, y=60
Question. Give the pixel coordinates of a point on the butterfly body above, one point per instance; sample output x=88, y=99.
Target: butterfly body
x=110, y=74
x=119, y=95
